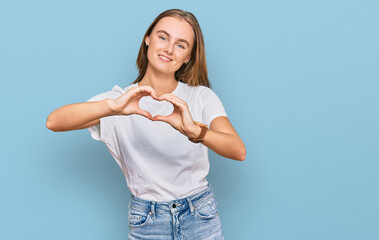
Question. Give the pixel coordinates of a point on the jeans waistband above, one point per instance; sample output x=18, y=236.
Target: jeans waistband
x=171, y=206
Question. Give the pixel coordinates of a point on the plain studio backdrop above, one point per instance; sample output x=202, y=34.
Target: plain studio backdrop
x=298, y=79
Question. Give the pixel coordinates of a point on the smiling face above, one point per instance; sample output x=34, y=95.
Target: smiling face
x=170, y=45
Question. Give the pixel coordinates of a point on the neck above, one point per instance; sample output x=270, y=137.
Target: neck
x=161, y=83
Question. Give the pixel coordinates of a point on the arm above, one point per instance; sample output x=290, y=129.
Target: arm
x=83, y=115
x=78, y=115
x=223, y=139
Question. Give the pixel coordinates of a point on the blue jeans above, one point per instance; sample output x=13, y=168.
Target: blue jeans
x=194, y=217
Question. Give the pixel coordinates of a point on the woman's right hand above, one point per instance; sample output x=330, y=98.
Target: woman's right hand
x=127, y=103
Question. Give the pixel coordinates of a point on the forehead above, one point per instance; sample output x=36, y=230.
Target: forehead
x=177, y=28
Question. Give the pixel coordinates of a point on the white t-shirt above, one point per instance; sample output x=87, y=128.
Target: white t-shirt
x=159, y=163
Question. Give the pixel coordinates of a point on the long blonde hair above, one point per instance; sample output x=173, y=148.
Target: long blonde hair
x=194, y=73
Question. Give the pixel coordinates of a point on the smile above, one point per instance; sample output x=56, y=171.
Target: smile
x=164, y=58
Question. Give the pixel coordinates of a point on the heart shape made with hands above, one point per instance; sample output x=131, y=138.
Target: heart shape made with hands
x=155, y=107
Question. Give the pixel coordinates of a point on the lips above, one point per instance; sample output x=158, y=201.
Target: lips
x=164, y=58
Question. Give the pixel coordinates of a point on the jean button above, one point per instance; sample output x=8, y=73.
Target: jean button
x=174, y=205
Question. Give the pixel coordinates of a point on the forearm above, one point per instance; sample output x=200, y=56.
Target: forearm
x=72, y=116
x=225, y=144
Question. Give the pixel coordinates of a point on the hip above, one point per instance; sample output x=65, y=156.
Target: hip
x=193, y=217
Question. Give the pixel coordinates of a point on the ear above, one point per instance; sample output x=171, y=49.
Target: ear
x=187, y=59
x=147, y=40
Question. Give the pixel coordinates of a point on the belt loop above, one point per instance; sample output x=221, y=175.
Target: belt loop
x=130, y=200
x=153, y=210
x=210, y=186
x=191, y=207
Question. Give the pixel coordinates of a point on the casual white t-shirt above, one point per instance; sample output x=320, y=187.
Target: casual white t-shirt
x=159, y=163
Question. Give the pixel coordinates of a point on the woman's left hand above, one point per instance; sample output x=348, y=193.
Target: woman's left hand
x=180, y=118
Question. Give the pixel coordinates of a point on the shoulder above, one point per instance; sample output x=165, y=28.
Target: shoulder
x=125, y=89
x=200, y=92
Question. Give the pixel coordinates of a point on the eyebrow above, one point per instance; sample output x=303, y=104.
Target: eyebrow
x=180, y=39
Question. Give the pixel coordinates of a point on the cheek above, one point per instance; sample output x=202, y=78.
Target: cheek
x=183, y=57
x=157, y=44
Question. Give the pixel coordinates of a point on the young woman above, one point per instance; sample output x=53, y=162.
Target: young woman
x=159, y=129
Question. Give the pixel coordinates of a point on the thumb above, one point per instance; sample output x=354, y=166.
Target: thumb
x=161, y=118
x=144, y=113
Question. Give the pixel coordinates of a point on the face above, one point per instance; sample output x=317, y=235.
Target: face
x=170, y=44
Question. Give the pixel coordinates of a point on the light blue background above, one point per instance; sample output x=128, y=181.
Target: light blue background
x=299, y=82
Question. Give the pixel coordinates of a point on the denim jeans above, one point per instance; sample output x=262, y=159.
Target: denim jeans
x=194, y=217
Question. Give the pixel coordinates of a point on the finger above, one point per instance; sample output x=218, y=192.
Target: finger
x=173, y=96
x=161, y=118
x=186, y=117
x=179, y=104
x=152, y=92
x=144, y=113
x=146, y=90
x=164, y=96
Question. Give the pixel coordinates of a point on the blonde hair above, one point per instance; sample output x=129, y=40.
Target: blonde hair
x=194, y=73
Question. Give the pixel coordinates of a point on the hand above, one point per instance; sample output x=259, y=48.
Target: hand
x=181, y=118
x=127, y=103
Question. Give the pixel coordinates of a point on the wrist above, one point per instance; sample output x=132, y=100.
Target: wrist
x=111, y=106
x=195, y=131
x=199, y=137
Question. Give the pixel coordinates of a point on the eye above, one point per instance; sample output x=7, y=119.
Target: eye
x=163, y=38
x=181, y=46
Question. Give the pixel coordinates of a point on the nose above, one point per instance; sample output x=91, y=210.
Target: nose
x=169, y=48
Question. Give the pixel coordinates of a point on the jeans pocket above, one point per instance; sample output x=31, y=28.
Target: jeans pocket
x=138, y=217
x=206, y=209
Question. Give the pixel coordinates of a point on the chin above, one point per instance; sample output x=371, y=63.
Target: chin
x=163, y=68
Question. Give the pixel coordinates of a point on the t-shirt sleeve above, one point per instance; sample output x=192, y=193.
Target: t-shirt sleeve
x=213, y=107
x=104, y=130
